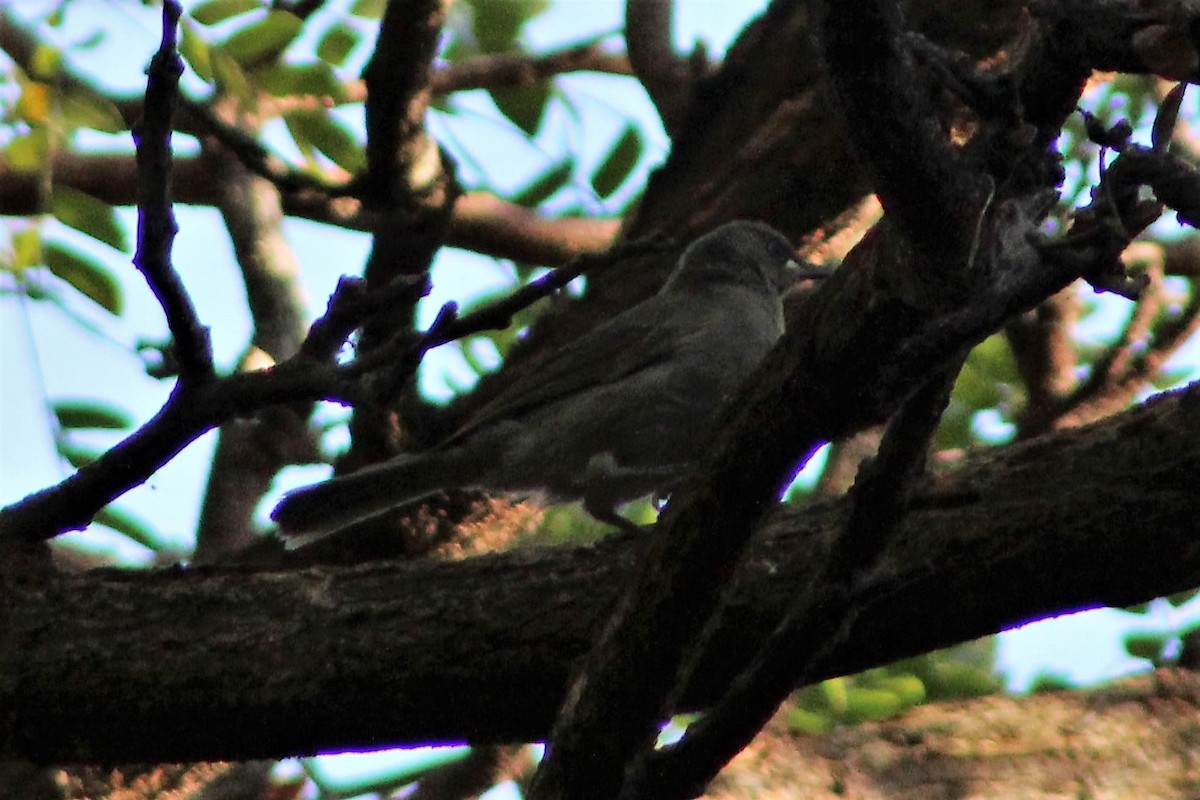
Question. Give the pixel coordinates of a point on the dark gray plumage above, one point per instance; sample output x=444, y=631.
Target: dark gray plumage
x=617, y=414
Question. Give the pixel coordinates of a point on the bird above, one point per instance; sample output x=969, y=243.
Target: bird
x=619, y=413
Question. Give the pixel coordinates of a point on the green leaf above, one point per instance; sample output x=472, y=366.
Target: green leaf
x=833, y=694
x=34, y=103
x=87, y=276
x=45, y=62
x=569, y=524
x=230, y=77
x=79, y=455
x=336, y=44
x=28, y=153
x=368, y=9
x=864, y=705
x=329, y=136
x=989, y=366
x=91, y=414
x=462, y=46
x=196, y=51
x=497, y=23
x=810, y=723
x=131, y=527
x=265, y=39
x=456, y=386
x=312, y=78
x=1144, y=644
x=954, y=429
x=1179, y=598
x=475, y=361
x=213, y=11
x=909, y=688
x=83, y=108
x=1170, y=377
x=496, y=26
x=525, y=106
x=88, y=215
x=619, y=163
x=27, y=247
x=547, y=183
x=94, y=40
x=300, y=139
x=1051, y=682
x=952, y=680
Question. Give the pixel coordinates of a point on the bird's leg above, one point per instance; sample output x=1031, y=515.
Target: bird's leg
x=602, y=477
x=609, y=515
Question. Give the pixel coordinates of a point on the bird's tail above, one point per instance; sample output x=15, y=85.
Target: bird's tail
x=313, y=511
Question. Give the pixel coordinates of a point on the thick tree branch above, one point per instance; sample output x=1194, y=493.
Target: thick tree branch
x=1045, y=354
x=481, y=770
x=649, y=29
x=412, y=188
x=250, y=452
x=480, y=221
x=480, y=650
x=820, y=617
x=484, y=223
x=1117, y=36
x=401, y=158
x=925, y=187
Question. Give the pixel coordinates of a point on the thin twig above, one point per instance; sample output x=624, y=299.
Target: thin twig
x=311, y=375
x=401, y=355
x=1118, y=389
x=156, y=219
x=192, y=411
x=508, y=70
x=258, y=159
x=1046, y=357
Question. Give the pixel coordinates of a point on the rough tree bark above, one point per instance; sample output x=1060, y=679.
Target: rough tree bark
x=114, y=666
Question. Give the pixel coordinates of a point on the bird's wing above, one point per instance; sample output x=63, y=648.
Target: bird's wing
x=635, y=340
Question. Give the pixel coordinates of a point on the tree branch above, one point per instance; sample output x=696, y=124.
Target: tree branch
x=480, y=221
x=926, y=188
x=799, y=399
x=156, y=219
x=401, y=158
x=511, y=70
x=781, y=421
x=1117, y=37
x=976, y=554
x=820, y=617
x=649, y=26
x=1044, y=350
x=311, y=375
x=250, y=452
